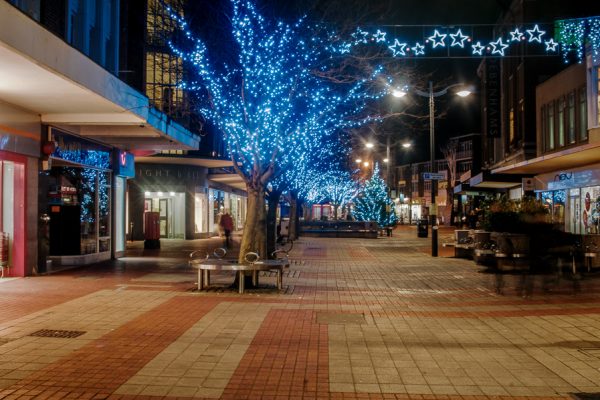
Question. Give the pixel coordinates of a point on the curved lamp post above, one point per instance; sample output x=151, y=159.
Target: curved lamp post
x=431, y=95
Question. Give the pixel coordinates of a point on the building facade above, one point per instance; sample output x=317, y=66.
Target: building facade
x=565, y=174
x=179, y=184
x=508, y=92
x=68, y=130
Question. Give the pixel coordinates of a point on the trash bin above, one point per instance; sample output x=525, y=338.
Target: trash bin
x=422, y=226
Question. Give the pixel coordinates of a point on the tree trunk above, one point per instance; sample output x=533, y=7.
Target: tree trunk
x=254, y=237
x=293, y=230
x=273, y=202
x=335, y=212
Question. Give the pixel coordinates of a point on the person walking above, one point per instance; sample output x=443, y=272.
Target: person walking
x=226, y=224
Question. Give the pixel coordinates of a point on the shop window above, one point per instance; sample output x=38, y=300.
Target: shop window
x=583, y=114
x=571, y=118
x=200, y=211
x=590, y=215
x=561, y=122
x=550, y=127
x=7, y=203
x=511, y=125
x=79, y=201
x=598, y=96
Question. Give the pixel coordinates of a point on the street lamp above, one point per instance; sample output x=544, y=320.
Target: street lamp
x=431, y=95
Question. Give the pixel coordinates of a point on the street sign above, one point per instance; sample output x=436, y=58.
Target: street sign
x=432, y=175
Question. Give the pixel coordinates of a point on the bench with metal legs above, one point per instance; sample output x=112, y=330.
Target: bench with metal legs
x=253, y=263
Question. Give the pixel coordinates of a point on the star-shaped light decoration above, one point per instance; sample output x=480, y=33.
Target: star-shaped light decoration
x=499, y=47
x=419, y=49
x=360, y=36
x=458, y=39
x=550, y=45
x=438, y=39
x=516, y=35
x=398, y=48
x=379, y=36
x=535, y=34
x=478, y=48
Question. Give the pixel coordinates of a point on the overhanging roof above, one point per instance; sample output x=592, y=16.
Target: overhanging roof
x=485, y=180
x=183, y=160
x=43, y=74
x=233, y=180
x=569, y=158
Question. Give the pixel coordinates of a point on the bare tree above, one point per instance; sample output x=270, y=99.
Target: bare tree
x=449, y=152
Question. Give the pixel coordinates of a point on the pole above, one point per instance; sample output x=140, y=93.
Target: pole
x=433, y=212
x=387, y=155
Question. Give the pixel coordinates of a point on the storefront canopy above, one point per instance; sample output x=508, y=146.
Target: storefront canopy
x=579, y=156
x=485, y=180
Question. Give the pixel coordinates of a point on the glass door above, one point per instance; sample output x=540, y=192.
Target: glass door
x=163, y=210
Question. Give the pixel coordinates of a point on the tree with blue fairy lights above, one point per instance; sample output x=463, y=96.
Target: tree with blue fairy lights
x=373, y=203
x=273, y=100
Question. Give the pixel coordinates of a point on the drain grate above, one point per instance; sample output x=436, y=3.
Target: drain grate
x=56, y=333
x=586, y=396
x=340, y=318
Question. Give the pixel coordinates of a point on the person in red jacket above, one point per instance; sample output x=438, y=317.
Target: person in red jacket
x=226, y=223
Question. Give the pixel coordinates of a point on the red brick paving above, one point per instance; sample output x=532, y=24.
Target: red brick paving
x=292, y=362
x=100, y=367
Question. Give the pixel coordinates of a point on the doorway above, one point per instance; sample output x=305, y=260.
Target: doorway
x=163, y=213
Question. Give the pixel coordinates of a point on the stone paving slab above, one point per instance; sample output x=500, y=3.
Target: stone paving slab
x=357, y=319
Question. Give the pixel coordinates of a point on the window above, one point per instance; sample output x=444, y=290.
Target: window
x=571, y=118
x=511, y=125
x=598, y=96
x=550, y=127
x=561, y=122
x=582, y=114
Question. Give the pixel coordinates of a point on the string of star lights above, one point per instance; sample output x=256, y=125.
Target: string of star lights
x=457, y=42
x=269, y=104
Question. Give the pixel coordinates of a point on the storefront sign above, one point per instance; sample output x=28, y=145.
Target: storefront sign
x=125, y=164
x=161, y=175
x=566, y=180
x=492, y=97
x=528, y=184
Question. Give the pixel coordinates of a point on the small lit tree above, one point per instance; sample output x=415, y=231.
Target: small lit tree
x=373, y=203
x=339, y=188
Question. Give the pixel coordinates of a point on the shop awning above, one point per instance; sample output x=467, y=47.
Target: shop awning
x=233, y=180
x=43, y=74
x=466, y=189
x=185, y=160
x=486, y=180
x=569, y=158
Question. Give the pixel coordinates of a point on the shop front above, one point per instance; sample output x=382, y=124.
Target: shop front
x=188, y=205
x=222, y=201
x=572, y=198
x=177, y=193
x=77, y=191
x=12, y=214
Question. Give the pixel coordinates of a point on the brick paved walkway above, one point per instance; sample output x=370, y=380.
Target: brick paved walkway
x=357, y=319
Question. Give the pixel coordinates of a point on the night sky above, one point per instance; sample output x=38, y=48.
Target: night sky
x=461, y=117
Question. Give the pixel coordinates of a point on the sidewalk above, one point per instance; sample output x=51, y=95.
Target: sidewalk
x=357, y=319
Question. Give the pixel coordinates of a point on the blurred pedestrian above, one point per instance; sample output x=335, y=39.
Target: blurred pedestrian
x=226, y=224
